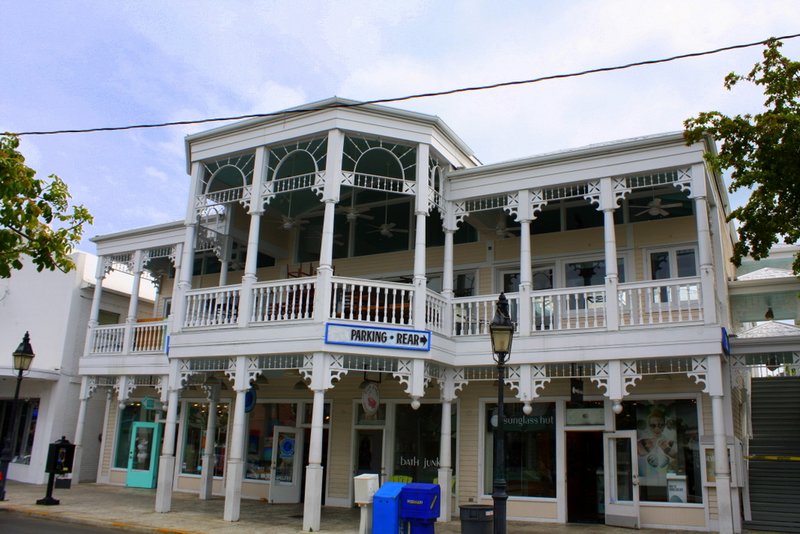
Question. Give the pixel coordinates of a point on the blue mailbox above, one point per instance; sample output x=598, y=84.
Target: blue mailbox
x=386, y=509
x=419, y=505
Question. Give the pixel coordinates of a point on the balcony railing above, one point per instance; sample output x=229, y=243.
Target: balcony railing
x=284, y=300
x=472, y=315
x=640, y=304
x=575, y=308
x=387, y=303
x=212, y=307
x=658, y=302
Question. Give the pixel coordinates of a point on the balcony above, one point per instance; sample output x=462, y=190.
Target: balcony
x=272, y=304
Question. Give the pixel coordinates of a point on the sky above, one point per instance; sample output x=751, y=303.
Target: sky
x=87, y=64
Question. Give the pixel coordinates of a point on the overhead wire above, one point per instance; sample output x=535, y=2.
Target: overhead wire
x=335, y=105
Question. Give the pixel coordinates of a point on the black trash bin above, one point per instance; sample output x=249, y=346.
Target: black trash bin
x=477, y=518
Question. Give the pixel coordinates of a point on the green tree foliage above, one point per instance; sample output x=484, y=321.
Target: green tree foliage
x=35, y=216
x=763, y=152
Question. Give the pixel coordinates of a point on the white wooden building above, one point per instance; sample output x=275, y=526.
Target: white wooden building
x=54, y=308
x=324, y=306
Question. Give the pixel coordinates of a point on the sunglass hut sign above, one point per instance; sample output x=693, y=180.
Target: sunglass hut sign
x=367, y=336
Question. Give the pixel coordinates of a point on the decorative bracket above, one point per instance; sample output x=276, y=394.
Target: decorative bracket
x=699, y=372
x=451, y=382
x=322, y=370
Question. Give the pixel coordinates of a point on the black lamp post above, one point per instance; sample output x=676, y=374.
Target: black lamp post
x=23, y=357
x=501, y=330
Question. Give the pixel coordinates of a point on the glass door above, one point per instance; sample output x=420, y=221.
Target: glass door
x=287, y=454
x=622, y=479
x=143, y=455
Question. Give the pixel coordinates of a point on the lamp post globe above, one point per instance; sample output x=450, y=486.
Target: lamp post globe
x=501, y=332
x=22, y=358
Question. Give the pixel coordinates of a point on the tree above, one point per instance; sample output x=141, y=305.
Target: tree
x=35, y=219
x=763, y=152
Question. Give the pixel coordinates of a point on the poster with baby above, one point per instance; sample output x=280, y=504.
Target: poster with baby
x=657, y=445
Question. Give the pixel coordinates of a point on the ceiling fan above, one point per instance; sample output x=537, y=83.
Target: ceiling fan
x=502, y=230
x=353, y=213
x=387, y=229
x=290, y=223
x=656, y=208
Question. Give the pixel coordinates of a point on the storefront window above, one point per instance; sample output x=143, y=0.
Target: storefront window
x=132, y=413
x=530, y=449
x=262, y=422
x=417, y=441
x=308, y=413
x=668, y=449
x=195, y=436
x=27, y=415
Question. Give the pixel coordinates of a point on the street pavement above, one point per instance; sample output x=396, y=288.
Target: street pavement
x=132, y=509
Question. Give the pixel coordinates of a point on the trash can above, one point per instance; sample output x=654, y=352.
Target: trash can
x=476, y=518
x=386, y=509
x=420, y=505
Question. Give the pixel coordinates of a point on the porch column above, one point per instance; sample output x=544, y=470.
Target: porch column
x=251, y=260
x=322, y=374
x=312, y=503
x=234, y=470
x=524, y=216
x=133, y=303
x=184, y=282
x=166, y=463
x=448, y=387
x=88, y=385
x=704, y=244
x=94, y=314
x=330, y=196
x=421, y=211
x=447, y=278
x=722, y=469
x=209, y=458
x=608, y=203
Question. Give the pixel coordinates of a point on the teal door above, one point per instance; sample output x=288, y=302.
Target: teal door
x=143, y=455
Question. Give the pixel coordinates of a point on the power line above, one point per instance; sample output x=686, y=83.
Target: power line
x=414, y=96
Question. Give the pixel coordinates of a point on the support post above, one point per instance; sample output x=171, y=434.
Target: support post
x=234, y=471
x=166, y=463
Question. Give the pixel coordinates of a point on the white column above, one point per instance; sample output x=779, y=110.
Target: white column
x=209, y=459
x=445, y=461
x=722, y=469
x=133, y=303
x=166, y=463
x=330, y=196
x=312, y=503
x=420, y=258
x=525, y=279
x=607, y=204
x=86, y=394
x=234, y=471
x=94, y=314
x=704, y=244
x=447, y=278
x=251, y=261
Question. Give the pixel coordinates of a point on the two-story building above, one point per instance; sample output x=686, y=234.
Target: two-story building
x=325, y=307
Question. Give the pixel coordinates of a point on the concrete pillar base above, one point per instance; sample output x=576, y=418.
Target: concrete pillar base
x=312, y=504
x=206, y=478
x=166, y=472
x=446, y=503
x=233, y=490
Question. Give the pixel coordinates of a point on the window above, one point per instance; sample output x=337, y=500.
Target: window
x=541, y=278
x=590, y=272
x=668, y=448
x=27, y=416
x=417, y=442
x=132, y=413
x=195, y=436
x=463, y=283
x=673, y=263
x=530, y=449
x=262, y=421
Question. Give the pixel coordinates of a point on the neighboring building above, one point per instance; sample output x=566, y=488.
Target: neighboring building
x=765, y=373
x=54, y=307
x=324, y=312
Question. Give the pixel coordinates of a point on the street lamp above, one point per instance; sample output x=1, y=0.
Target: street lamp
x=23, y=357
x=501, y=331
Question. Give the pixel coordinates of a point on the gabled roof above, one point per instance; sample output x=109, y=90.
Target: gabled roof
x=767, y=273
x=770, y=329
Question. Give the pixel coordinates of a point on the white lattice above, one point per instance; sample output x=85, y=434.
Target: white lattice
x=593, y=193
x=620, y=189
x=600, y=376
x=539, y=379
x=538, y=202
x=403, y=374
x=630, y=375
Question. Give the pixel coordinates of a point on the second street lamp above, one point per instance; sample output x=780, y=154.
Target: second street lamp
x=501, y=331
x=23, y=357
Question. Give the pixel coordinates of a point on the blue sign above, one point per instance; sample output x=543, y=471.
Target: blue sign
x=372, y=336
x=250, y=399
x=286, y=447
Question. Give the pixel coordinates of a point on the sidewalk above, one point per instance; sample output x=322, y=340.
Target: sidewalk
x=132, y=509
